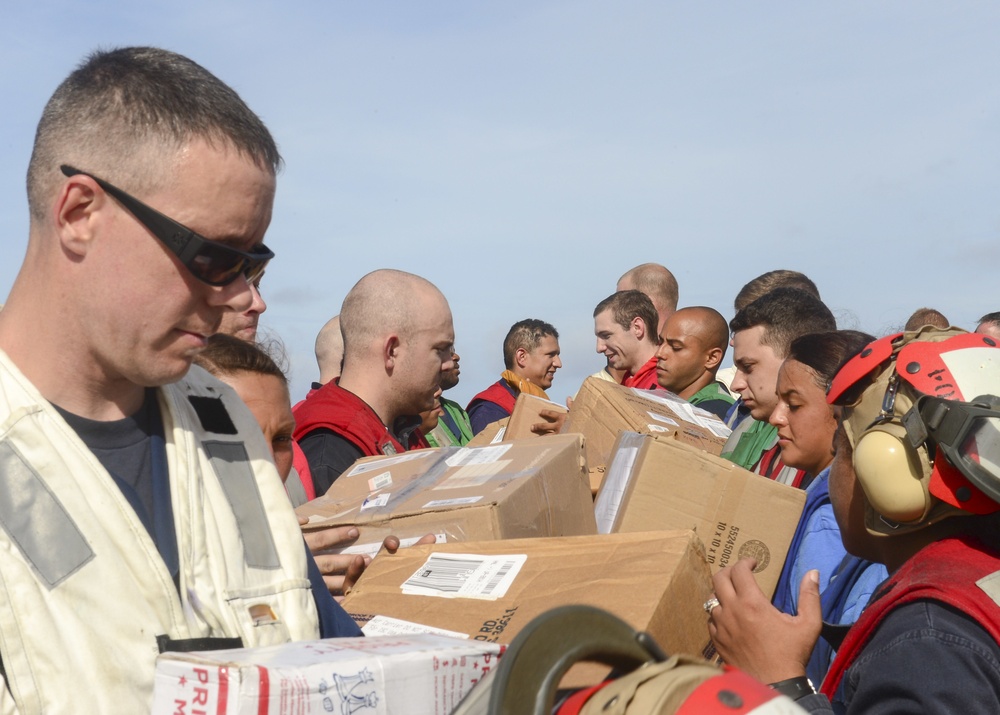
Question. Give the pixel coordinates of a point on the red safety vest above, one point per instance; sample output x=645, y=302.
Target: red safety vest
x=945, y=571
x=336, y=409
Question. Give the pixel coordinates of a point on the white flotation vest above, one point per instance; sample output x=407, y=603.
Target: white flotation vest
x=84, y=593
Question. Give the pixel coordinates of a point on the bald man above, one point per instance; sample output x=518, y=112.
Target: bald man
x=329, y=352
x=693, y=343
x=658, y=283
x=398, y=340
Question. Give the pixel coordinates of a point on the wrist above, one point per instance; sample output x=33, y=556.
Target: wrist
x=794, y=688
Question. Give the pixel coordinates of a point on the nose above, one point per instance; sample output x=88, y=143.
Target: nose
x=557, y=363
x=258, y=305
x=739, y=382
x=779, y=417
x=660, y=351
x=238, y=296
x=601, y=346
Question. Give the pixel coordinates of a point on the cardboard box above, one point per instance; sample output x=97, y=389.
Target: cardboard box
x=518, y=489
x=492, y=433
x=603, y=409
x=526, y=413
x=656, y=482
x=409, y=675
x=654, y=581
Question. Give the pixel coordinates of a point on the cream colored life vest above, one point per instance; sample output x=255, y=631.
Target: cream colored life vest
x=84, y=592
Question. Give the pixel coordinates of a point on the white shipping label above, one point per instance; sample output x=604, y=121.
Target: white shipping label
x=719, y=429
x=477, y=455
x=365, y=467
x=386, y=626
x=498, y=438
x=450, y=502
x=376, y=501
x=474, y=475
x=382, y=481
x=465, y=576
x=658, y=428
x=662, y=418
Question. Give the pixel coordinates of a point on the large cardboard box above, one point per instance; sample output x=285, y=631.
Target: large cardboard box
x=654, y=581
x=526, y=413
x=398, y=675
x=518, y=489
x=656, y=482
x=603, y=409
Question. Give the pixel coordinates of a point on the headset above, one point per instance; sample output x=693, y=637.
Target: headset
x=923, y=416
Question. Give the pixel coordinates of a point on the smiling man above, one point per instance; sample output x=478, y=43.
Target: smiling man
x=134, y=486
x=625, y=325
x=531, y=358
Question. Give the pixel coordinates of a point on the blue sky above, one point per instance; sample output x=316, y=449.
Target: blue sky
x=523, y=155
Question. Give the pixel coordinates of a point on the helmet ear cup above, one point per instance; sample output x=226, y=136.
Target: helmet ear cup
x=891, y=473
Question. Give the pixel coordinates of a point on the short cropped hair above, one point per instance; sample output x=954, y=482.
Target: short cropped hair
x=785, y=314
x=926, y=316
x=120, y=105
x=766, y=282
x=825, y=353
x=227, y=355
x=626, y=305
x=526, y=334
x=990, y=318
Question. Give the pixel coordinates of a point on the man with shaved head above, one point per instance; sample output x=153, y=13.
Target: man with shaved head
x=329, y=352
x=398, y=340
x=656, y=282
x=692, y=345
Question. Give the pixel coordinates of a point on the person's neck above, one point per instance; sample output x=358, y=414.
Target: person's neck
x=44, y=350
x=695, y=387
x=363, y=390
x=644, y=354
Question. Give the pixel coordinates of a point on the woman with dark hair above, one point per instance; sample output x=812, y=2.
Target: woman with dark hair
x=806, y=427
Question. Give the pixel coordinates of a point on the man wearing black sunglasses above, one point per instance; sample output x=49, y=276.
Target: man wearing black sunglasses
x=140, y=511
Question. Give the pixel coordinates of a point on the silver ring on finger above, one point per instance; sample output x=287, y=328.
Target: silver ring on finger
x=710, y=604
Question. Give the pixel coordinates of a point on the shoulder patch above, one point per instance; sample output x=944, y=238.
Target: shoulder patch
x=213, y=414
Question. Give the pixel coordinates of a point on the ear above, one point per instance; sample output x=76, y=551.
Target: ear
x=391, y=349
x=520, y=357
x=712, y=358
x=638, y=328
x=78, y=208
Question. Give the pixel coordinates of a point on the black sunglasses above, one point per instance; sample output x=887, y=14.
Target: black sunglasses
x=209, y=261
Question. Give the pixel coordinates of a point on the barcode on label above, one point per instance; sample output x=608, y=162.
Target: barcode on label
x=465, y=575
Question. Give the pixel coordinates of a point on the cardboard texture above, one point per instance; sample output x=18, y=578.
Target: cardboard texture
x=654, y=581
x=656, y=482
x=398, y=675
x=603, y=409
x=510, y=490
x=492, y=433
x=526, y=413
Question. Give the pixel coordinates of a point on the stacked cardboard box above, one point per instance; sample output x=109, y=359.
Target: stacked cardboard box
x=527, y=488
x=656, y=482
x=603, y=409
x=489, y=591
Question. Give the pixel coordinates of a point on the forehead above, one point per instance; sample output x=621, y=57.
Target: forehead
x=219, y=193
x=680, y=329
x=747, y=345
x=547, y=344
x=793, y=375
x=605, y=321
